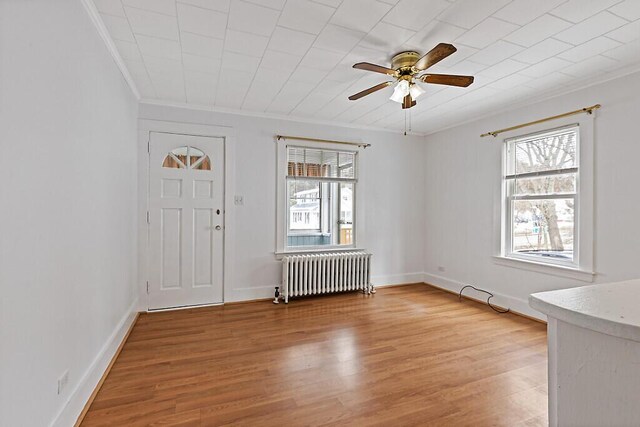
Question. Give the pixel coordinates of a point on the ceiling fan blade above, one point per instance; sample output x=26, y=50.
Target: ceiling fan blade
x=375, y=68
x=407, y=102
x=434, y=56
x=369, y=91
x=447, y=79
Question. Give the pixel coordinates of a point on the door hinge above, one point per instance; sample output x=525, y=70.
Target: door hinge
x=147, y=287
x=148, y=218
x=149, y=146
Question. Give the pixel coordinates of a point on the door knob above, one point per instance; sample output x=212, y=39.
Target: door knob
x=218, y=227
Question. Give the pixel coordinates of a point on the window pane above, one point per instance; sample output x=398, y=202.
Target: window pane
x=544, y=153
x=302, y=188
x=346, y=214
x=304, y=205
x=204, y=164
x=320, y=163
x=314, y=163
x=181, y=154
x=543, y=228
x=172, y=162
x=554, y=184
x=194, y=159
x=180, y=151
x=295, y=160
x=177, y=158
x=187, y=157
x=320, y=213
x=345, y=165
x=307, y=162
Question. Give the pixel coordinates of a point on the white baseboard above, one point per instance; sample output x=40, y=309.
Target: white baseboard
x=68, y=415
x=249, y=294
x=397, y=279
x=514, y=304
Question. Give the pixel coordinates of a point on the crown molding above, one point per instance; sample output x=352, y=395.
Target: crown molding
x=91, y=9
x=272, y=116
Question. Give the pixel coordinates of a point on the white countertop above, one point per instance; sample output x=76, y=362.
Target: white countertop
x=612, y=309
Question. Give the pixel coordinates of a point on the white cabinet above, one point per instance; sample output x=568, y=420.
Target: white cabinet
x=594, y=354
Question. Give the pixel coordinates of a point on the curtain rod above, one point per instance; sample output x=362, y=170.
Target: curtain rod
x=300, y=138
x=588, y=110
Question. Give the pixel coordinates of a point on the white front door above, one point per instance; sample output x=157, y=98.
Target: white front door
x=186, y=216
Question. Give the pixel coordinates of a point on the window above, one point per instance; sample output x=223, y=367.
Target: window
x=187, y=158
x=319, y=185
x=546, y=220
x=541, y=203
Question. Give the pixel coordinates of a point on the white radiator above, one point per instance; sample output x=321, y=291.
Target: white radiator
x=326, y=273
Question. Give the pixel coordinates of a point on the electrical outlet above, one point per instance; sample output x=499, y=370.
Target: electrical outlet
x=441, y=268
x=239, y=200
x=63, y=381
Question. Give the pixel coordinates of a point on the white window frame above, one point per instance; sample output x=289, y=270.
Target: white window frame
x=581, y=267
x=508, y=186
x=282, y=201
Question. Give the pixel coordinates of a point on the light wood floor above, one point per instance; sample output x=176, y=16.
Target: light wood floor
x=409, y=355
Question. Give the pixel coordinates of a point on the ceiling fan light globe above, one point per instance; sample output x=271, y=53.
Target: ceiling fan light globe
x=397, y=96
x=400, y=91
x=415, y=91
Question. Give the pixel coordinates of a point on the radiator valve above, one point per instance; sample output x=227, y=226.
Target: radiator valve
x=276, y=300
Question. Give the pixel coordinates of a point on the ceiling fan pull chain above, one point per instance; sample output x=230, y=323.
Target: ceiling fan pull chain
x=405, y=122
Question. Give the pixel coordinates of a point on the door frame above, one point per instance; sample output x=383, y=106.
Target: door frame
x=228, y=134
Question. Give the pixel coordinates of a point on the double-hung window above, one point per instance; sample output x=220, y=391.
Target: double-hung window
x=541, y=197
x=320, y=193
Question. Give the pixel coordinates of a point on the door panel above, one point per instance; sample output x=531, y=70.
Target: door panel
x=171, y=248
x=203, y=247
x=186, y=212
x=171, y=188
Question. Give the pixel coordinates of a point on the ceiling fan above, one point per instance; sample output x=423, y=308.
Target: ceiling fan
x=405, y=67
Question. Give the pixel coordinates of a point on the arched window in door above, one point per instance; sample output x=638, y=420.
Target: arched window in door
x=187, y=158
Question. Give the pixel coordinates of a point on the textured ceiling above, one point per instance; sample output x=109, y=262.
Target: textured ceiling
x=294, y=57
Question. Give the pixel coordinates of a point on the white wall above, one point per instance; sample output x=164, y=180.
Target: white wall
x=68, y=206
x=71, y=175
x=461, y=171
x=390, y=186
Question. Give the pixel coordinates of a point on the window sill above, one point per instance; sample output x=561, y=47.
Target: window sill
x=280, y=254
x=552, y=269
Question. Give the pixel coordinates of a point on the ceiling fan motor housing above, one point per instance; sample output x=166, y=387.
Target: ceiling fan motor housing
x=404, y=61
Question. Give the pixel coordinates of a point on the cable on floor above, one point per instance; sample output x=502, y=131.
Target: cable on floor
x=489, y=298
